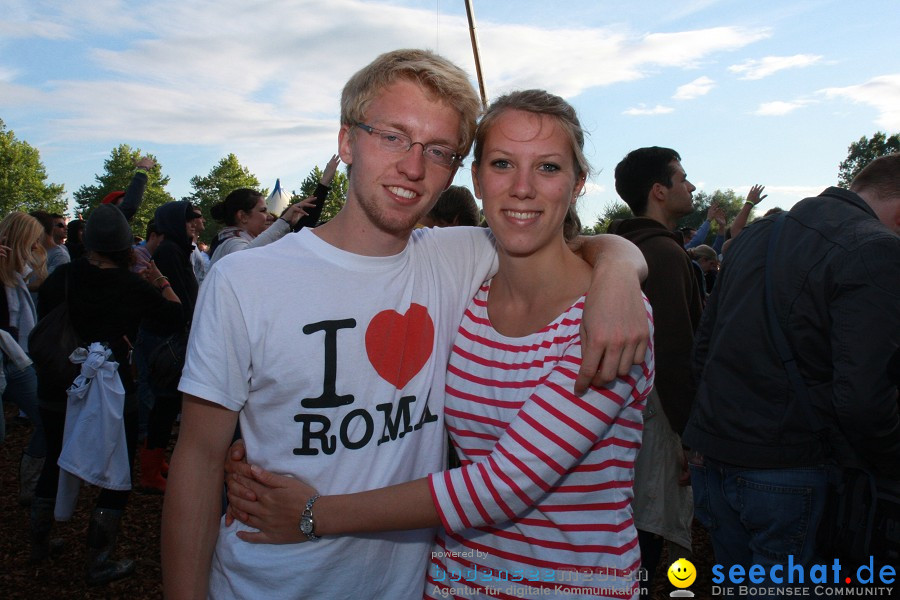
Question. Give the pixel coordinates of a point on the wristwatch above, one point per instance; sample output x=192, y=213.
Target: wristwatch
x=307, y=524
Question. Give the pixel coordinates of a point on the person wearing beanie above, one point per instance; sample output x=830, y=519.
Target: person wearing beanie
x=130, y=200
x=106, y=303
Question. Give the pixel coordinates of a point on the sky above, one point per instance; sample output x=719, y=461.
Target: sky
x=767, y=92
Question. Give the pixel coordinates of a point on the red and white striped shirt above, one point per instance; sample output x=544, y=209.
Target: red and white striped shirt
x=543, y=497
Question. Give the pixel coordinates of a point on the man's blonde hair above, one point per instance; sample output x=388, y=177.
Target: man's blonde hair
x=443, y=79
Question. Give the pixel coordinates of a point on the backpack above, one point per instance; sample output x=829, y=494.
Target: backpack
x=50, y=343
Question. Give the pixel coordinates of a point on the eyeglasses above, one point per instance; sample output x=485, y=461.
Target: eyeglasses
x=394, y=141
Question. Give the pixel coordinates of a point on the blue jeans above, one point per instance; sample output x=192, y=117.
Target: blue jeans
x=760, y=516
x=21, y=389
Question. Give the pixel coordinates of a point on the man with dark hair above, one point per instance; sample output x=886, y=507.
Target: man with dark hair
x=766, y=451
x=654, y=185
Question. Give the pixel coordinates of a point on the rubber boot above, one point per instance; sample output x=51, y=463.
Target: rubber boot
x=29, y=472
x=41, y=525
x=100, y=567
x=152, y=481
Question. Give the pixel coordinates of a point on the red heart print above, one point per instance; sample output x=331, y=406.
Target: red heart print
x=398, y=345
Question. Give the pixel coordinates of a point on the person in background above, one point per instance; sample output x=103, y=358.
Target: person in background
x=22, y=234
x=199, y=259
x=655, y=186
x=456, y=206
x=75, y=238
x=175, y=221
x=56, y=250
x=765, y=454
x=244, y=213
x=106, y=303
x=708, y=261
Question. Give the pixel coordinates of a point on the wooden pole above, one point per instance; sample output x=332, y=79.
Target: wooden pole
x=471, y=16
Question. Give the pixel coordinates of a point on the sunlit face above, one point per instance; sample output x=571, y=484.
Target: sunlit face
x=679, y=197
x=254, y=221
x=59, y=230
x=393, y=191
x=527, y=179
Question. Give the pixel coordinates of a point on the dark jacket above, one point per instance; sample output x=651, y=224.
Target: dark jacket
x=836, y=287
x=134, y=195
x=674, y=293
x=104, y=306
x=173, y=255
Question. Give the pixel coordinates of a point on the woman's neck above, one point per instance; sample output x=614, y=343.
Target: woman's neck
x=529, y=292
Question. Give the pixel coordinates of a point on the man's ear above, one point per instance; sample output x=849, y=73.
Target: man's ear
x=475, y=183
x=345, y=148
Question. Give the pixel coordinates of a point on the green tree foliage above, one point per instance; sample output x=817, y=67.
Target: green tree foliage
x=118, y=170
x=227, y=176
x=336, y=198
x=864, y=151
x=612, y=211
x=727, y=200
x=23, y=179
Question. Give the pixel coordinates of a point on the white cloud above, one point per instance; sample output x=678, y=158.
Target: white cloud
x=882, y=93
x=779, y=108
x=642, y=109
x=698, y=87
x=759, y=68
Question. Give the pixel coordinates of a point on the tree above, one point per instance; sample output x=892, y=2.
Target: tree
x=864, y=151
x=336, y=198
x=727, y=200
x=612, y=211
x=227, y=176
x=23, y=178
x=118, y=170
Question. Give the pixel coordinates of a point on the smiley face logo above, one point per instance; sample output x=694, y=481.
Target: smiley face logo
x=682, y=573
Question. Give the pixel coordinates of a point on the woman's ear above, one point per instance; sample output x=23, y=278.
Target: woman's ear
x=579, y=189
x=475, y=183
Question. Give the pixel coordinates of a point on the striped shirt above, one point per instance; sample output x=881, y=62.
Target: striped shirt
x=543, y=497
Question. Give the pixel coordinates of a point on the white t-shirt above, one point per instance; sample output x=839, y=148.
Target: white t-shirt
x=337, y=363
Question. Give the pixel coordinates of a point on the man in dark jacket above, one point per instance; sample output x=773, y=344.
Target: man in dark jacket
x=767, y=454
x=654, y=185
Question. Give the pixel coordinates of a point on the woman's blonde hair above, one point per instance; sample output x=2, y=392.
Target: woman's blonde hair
x=22, y=233
x=541, y=102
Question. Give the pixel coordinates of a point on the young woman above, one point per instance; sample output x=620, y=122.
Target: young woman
x=24, y=256
x=542, y=499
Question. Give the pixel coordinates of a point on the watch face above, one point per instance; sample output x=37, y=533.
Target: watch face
x=306, y=525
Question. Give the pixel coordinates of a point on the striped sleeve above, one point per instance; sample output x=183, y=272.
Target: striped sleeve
x=549, y=436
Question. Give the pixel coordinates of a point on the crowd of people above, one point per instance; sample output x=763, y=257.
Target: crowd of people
x=596, y=393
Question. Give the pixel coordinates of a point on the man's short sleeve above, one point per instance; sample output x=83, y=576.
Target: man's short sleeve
x=217, y=368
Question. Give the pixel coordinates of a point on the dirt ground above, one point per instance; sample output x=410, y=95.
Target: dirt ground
x=62, y=577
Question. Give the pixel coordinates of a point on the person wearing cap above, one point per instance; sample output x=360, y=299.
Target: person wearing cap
x=106, y=303
x=130, y=200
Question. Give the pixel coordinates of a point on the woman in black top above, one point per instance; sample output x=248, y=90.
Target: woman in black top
x=106, y=304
